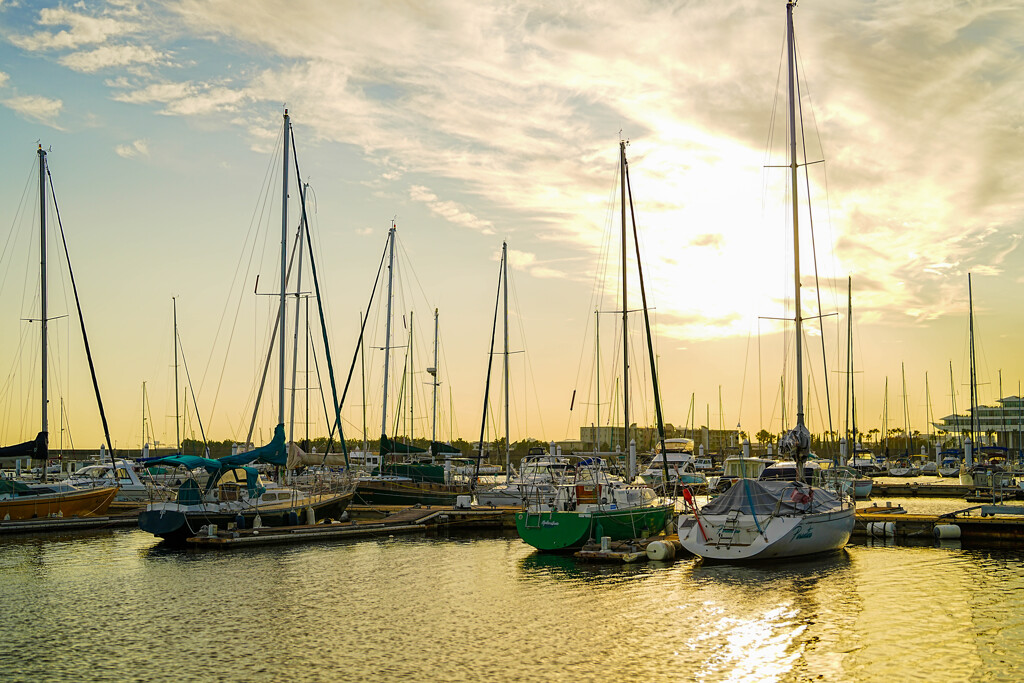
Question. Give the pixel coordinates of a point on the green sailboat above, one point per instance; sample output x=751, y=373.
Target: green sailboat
x=592, y=504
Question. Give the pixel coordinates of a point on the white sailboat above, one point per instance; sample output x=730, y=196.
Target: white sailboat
x=761, y=520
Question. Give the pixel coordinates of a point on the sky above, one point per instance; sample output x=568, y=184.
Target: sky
x=470, y=124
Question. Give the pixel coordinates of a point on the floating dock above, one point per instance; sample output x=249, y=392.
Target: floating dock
x=979, y=524
x=397, y=521
x=912, y=489
x=51, y=525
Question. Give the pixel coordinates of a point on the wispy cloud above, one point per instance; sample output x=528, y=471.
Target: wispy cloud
x=36, y=108
x=109, y=56
x=449, y=210
x=77, y=29
x=3, y=79
x=133, y=149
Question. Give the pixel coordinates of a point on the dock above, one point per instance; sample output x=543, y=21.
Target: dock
x=1002, y=524
x=376, y=521
x=51, y=525
x=912, y=489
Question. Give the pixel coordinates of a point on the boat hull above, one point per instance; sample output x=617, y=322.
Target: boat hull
x=555, y=531
x=384, y=492
x=778, y=538
x=176, y=523
x=86, y=503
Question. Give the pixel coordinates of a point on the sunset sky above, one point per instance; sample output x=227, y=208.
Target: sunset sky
x=473, y=123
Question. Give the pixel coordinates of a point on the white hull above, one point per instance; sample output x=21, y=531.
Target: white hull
x=780, y=537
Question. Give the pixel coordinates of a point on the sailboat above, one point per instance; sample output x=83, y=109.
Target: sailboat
x=760, y=520
x=234, y=493
x=593, y=504
x=417, y=477
x=18, y=500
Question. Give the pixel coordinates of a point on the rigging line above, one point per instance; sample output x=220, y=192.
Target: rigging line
x=15, y=221
x=647, y=324
x=81, y=318
x=490, y=362
x=270, y=351
x=254, y=224
x=359, y=342
x=814, y=254
x=320, y=310
x=195, y=405
x=528, y=365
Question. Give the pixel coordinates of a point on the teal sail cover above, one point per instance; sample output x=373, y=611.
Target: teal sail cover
x=274, y=452
x=387, y=446
x=438, y=448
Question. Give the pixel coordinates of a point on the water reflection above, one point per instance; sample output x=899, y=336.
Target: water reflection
x=489, y=608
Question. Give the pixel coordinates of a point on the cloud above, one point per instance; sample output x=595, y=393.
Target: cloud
x=109, y=56
x=3, y=79
x=186, y=98
x=449, y=210
x=81, y=29
x=133, y=149
x=36, y=108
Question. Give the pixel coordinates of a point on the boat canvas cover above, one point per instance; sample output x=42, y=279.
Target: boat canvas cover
x=273, y=453
x=387, y=446
x=439, y=448
x=35, y=449
x=14, y=488
x=750, y=496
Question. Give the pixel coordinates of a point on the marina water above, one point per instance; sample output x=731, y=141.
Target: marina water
x=118, y=606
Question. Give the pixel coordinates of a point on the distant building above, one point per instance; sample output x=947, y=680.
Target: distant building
x=998, y=425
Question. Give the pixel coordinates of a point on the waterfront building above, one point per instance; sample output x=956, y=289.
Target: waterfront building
x=996, y=425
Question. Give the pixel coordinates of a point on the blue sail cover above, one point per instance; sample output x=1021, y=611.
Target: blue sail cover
x=274, y=452
x=190, y=462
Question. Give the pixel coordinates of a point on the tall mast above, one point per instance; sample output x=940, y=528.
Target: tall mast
x=42, y=290
x=433, y=378
x=177, y=399
x=597, y=351
x=412, y=403
x=142, y=446
x=800, y=455
x=387, y=330
x=849, y=360
x=284, y=269
x=952, y=394
x=362, y=367
x=974, y=377
x=295, y=339
x=625, y=306
x=504, y=287
x=906, y=411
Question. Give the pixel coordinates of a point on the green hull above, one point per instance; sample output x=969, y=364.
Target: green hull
x=554, y=531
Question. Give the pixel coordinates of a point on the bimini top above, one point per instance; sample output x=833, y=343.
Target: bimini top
x=750, y=496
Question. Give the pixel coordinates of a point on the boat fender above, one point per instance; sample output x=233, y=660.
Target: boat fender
x=310, y=515
x=606, y=544
x=239, y=521
x=660, y=551
x=945, y=531
x=257, y=521
x=881, y=529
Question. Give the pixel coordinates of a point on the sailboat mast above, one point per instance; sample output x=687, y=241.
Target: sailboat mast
x=504, y=287
x=791, y=74
x=433, y=400
x=387, y=330
x=177, y=399
x=284, y=269
x=42, y=289
x=362, y=368
x=974, y=375
x=597, y=352
x=295, y=338
x=412, y=404
x=849, y=361
x=952, y=394
x=625, y=304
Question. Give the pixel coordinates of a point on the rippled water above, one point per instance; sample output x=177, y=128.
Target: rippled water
x=118, y=607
